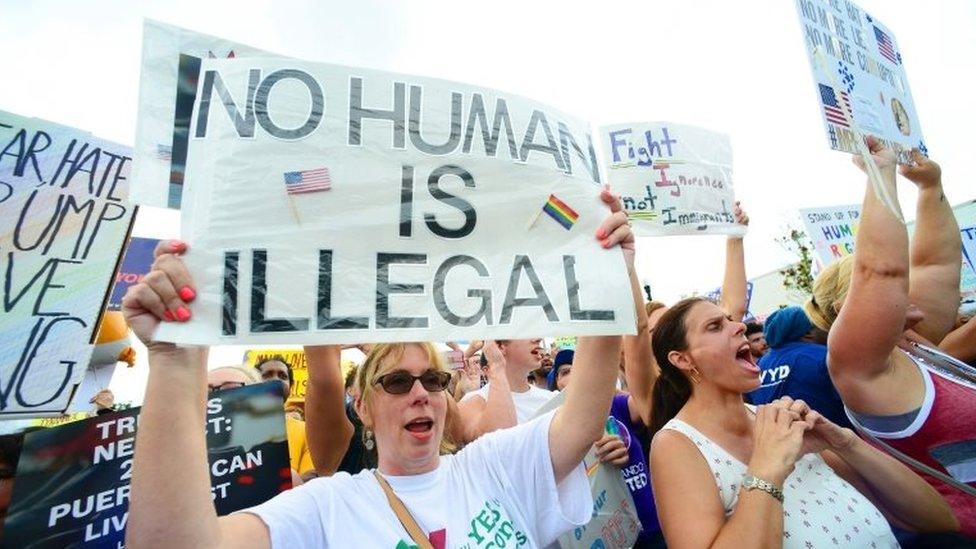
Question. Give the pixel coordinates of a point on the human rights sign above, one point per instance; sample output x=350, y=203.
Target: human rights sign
x=63, y=220
x=72, y=487
x=327, y=204
x=673, y=179
x=167, y=89
x=859, y=77
x=832, y=231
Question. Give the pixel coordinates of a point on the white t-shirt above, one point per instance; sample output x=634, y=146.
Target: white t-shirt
x=526, y=404
x=499, y=491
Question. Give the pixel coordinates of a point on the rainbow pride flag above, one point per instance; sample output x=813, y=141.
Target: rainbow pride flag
x=558, y=210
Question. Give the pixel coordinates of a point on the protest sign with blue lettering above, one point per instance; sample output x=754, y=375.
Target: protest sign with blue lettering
x=674, y=179
x=831, y=230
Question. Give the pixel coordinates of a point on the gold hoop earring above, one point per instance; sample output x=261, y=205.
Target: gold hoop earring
x=368, y=441
x=695, y=375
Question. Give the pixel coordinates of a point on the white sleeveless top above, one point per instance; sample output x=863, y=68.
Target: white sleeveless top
x=820, y=509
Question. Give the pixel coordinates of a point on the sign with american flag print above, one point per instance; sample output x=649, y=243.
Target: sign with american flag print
x=860, y=78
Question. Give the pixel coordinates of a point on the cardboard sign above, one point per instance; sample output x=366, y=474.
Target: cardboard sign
x=673, y=179
x=72, y=486
x=859, y=77
x=831, y=230
x=136, y=262
x=171, y=59
x=326, y=204
x=63, y=220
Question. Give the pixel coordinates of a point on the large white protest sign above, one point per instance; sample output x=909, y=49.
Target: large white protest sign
x=831, y=230
x=674, y=179
x=333, y=204
x=63, y=220
x=167, y=88
x=859, y=77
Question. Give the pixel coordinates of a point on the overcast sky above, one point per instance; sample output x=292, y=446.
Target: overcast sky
x=738, y=67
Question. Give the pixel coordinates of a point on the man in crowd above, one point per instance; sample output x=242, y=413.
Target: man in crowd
x=490, y=407
x=277, y=368
x=757, y=339
x=796, y=365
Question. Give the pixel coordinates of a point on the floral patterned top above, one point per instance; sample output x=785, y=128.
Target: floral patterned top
x=820, y=508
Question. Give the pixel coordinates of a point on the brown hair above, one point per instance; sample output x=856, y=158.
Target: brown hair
x=652, y=306
x=382, y=356
x=829, y=292
x=672, y=388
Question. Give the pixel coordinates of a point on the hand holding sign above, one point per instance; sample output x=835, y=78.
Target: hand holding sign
x=884, y=158
x=156, y=297
x=741, y=217
x=924, y=173
x=615, y=229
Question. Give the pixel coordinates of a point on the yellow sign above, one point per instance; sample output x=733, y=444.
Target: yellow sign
x=295, y=357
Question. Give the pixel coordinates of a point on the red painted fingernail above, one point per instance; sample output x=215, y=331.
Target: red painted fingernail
x=168, y=315
x=183, y=313
x=187, y=293
x=178, y=245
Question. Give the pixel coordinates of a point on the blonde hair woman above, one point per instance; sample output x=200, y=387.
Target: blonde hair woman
x=916, y=399
x=519, y=486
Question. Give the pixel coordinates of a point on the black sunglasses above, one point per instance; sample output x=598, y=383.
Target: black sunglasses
x=400, y=382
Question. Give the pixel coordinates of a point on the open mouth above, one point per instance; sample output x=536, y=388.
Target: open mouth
x=420, y=426
x=744, y=357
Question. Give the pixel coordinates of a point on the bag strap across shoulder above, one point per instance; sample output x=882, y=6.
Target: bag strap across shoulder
x=406, y=519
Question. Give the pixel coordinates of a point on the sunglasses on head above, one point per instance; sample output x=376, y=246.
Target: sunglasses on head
x=400, y=382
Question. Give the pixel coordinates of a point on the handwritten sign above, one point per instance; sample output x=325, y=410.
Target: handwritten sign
x=345, y=205
x=859, y=77
x=674, y=179
x=63, y=220
x=167, y=89
x=831, y=230
x=72, y=486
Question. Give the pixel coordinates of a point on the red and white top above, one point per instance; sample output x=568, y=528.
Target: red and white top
x=942, y=434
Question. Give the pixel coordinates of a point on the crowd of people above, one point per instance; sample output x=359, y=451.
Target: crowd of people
x=850, y=421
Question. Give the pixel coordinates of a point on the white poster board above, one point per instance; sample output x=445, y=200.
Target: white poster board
x=167, y=86
x=859, y=77
x=831, y=230
x=63, y=221
x=334, y=204
x=674, y=179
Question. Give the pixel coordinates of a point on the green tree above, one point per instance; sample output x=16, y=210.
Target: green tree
x=798, y=276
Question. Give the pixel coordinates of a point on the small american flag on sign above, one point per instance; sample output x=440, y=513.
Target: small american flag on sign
x=832, y=109
x=885, y=46
x=308, y=181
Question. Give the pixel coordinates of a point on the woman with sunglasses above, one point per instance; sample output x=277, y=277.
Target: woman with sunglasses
x=522, y=486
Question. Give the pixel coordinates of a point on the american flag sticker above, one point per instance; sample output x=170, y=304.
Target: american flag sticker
x=885, y=46
x=833, y=110
x=308, y=181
